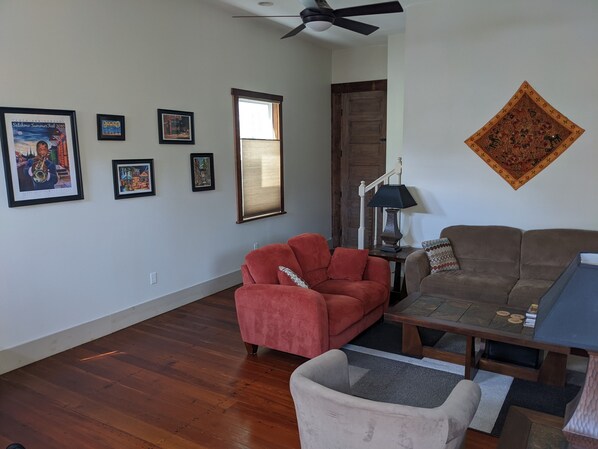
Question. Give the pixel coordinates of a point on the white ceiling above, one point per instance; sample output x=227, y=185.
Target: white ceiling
x=333, y=38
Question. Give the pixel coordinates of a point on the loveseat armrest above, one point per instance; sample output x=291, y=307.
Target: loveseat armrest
x=378, y=270
x=417, y=267
x=460, y=407
x=279, y=317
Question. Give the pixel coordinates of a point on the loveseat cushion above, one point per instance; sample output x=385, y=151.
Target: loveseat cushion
x=343, y=312
x=528, y=291
x=369, y=293
x=312, y=253
x=486, y=249
x=263, y=262
x=469, y=286
x=545, y=253
x=348, y=264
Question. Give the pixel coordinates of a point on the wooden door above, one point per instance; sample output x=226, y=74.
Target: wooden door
x=358, y=154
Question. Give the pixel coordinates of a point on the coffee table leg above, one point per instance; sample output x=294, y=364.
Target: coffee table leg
x=553, y=370
x=471, y=362
x=412, y=343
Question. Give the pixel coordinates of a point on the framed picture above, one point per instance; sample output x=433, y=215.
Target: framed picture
x=111, y=127
x=202, y=171
x=41, y=156
x=133, y=177
x=176, y=127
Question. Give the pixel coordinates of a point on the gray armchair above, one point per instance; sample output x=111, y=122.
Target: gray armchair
x=329, y=417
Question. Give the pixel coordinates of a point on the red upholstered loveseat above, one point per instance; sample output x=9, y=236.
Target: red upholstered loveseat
x=348, y=292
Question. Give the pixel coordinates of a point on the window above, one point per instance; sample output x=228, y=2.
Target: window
x=258, y=142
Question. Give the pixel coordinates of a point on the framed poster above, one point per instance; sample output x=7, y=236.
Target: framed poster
x=202, y=172
x=41, y=156
x=111, y=127
x=176, y=126
x=133, y=178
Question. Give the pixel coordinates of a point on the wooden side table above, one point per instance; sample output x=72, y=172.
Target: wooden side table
x=399, y=290
x=528, y=429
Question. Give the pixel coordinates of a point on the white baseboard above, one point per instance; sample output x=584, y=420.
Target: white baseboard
x=18, y=356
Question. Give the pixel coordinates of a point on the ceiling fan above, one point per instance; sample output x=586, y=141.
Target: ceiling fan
x=319, y=16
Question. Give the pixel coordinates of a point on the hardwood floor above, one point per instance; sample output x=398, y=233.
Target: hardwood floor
x=181, y=380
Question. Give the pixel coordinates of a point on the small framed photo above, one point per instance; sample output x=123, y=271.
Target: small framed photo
x=202, y=172
x=41, y=156
x=133, y=178
x=111, y=127
x=176, y=127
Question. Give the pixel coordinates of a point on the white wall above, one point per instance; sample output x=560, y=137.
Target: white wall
x=464, y=59
x=395, y=98
x=66, y=264
x=359, y=64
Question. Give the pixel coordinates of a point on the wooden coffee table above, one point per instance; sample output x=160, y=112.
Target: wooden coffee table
x=474, y=320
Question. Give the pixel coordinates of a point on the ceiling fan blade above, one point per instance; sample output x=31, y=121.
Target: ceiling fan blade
x=368, y=10
x=352, y=25
x=259, y=17
x=316, y=4
x=294, y=31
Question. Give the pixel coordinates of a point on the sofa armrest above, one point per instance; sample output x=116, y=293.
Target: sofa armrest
x=277, y=316
x=378, y=270
x=417, y=267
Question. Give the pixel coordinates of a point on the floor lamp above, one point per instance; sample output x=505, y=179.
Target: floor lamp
x=568, y=316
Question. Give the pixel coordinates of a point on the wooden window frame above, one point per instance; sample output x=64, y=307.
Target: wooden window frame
x=259, y=96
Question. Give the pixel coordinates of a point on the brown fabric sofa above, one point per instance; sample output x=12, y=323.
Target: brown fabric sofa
x=499, y=264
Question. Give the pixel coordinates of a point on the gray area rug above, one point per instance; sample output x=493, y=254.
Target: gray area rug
x=395, y=378
x=385, y=380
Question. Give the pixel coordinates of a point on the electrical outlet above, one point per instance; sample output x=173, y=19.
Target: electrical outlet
x=153, y=278
x=256, y=245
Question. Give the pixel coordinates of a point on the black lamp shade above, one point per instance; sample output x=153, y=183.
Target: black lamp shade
x=393, y=196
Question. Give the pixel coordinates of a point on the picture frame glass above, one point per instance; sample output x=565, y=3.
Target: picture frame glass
x=134, y=178
x=41, y=156
x=176, y=127
x=202, y=171
x=111, y=127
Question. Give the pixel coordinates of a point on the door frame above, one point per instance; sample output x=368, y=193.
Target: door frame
x=337, y=90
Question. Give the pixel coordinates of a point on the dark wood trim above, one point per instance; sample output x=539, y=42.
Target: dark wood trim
x=361, y=86
x=337, y=90
x=256, y=95
x=240, y=93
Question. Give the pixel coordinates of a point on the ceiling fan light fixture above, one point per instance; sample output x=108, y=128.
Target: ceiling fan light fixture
x=318, y=25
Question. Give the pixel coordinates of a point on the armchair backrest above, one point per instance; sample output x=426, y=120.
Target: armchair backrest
x=262, y=263
x=313, y=254
x=329, y=417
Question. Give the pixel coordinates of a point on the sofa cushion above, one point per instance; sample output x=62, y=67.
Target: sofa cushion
x=545, y=253
x=486, y=249
x=343, y=311
x=263, y=263
x=528, y=291
x=469, y=286
x=313, y=254
x=348, y=264
x=369, y=293
x=440, y=254
x=286, y=276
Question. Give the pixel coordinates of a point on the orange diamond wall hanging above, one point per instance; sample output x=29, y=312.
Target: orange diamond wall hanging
x=524, y=138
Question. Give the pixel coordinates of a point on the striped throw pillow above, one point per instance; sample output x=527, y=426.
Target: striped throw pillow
x=440, y=254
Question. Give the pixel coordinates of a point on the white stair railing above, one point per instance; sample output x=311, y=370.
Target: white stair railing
x=363, y=189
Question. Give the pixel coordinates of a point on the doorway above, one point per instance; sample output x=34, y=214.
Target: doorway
x=358, y=154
